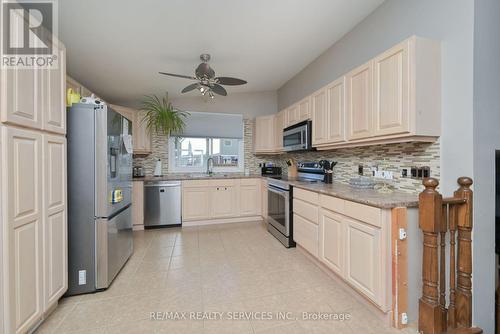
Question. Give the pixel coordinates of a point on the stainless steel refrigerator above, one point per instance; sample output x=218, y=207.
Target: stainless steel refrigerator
x=99, y=196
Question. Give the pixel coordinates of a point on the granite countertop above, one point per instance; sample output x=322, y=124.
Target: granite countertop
x=197, y=176
x=364, y=196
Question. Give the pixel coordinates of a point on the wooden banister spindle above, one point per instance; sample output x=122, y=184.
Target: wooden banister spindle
x=453, y=227
x=430, y=320
x=463, y=300
x=442, y=266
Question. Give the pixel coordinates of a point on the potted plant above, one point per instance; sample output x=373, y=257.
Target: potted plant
x=161, y=116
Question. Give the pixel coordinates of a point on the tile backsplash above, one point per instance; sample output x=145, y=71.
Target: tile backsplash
x=391, y=157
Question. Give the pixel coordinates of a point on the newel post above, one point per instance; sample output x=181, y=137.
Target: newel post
x=430, y=316
x=463, y=301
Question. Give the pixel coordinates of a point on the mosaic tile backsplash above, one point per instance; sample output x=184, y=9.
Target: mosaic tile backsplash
x=391, y=157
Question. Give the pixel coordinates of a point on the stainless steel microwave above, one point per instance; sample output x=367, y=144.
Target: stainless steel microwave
x=298, y=137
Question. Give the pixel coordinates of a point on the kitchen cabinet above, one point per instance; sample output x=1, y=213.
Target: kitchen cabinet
x=359, y=83
x=292, y=115
x=250, y=197
x=264, y=134
x=394, y=97
x=20, y=98
x=196, y=203
x=264, y=197
x=221, y=199
x=141, y=135
x=319, y=117
x=279, y=124
x=363, y=266
x=53, y=97
x=138, y=205
x=335, y=111
x=141, y=139
x=55, y=241
x=22, y=195
x=305, y=233
x=304, y=109
x=33, y=193
x=223, y=202
x=331, y=240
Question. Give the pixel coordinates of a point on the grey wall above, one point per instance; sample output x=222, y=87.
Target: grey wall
x=486, y=141
x=449, y=21
x=248, y=104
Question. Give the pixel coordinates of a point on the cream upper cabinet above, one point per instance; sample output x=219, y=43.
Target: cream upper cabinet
x=55, y=255
x=335, y=111
x=363, y=252
x=223, y=202
x=331, y=240
x=359, y=83
x=142, y=137
x=53, y=96
x=250, y=198
x=279, y=124
x=292, y=115
x=304, y=109
x=391, y=72
x=319, y=117
x=22, y=204
x=196, y=203
x=20, y=97
x=264, y=137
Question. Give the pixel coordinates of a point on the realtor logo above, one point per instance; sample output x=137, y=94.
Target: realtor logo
x=28, y=27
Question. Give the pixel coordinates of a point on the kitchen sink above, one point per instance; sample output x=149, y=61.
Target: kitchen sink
x=208, y=175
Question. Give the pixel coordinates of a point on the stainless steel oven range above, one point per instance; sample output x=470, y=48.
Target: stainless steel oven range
x=279, y=207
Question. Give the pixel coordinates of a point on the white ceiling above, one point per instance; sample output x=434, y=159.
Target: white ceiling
x=117, y=47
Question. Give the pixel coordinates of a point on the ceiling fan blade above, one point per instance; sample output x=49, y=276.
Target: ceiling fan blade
x=218, y=89
x=178, y=75
x=190, y=88
x=230, y=81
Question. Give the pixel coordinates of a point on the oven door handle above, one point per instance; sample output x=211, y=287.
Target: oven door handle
x=283, y=193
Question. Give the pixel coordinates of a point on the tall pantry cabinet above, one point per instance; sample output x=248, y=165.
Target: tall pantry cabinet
x=33, y=205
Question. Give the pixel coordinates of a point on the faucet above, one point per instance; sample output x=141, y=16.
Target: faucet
x=210, y=165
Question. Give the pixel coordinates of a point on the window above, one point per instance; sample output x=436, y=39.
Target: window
x=190, y=154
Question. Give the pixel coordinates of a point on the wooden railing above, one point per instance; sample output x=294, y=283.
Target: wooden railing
x=437, y=217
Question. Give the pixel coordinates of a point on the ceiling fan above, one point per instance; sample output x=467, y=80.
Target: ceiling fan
x=207, y=82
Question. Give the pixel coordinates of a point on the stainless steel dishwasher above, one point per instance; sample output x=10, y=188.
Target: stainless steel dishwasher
x=162, y=203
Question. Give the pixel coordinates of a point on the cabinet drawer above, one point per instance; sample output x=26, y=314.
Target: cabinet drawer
x=222, y=183
x=305, y=195
x=249, y=182
x=305, y=234
x=332, y=203
x=306, y=210
x=364, y=213
x=196, y=183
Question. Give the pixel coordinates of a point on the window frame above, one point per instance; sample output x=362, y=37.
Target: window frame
x=172, y=168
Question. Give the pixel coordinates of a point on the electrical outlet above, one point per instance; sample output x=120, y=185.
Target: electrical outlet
x=405, y=172
x=360, y=169
x=82, y=277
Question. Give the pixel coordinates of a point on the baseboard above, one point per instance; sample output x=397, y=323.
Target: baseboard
x=222, y=221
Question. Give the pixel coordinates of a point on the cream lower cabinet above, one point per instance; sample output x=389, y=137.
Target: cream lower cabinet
x=195, y=202
x=55, y=241
x=34, y=213
x=223, y=201
x=138, y=206
x=204, y=200
x=250, y=197
x=349, y=238
x=363, y=264
x=331, y=240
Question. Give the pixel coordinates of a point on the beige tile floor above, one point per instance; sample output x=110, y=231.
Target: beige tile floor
x=219, y=268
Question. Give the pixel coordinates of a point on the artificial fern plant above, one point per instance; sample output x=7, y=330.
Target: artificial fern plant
x=161, y=117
